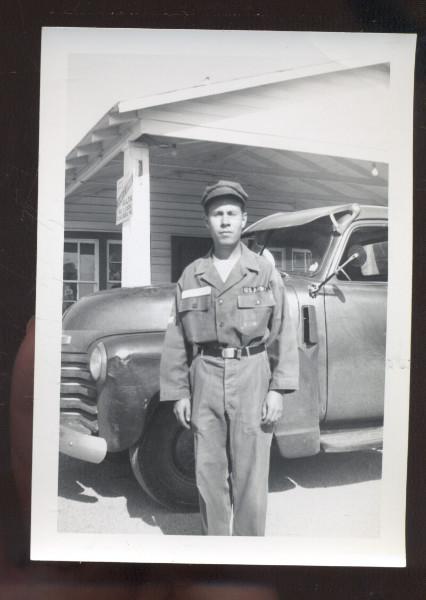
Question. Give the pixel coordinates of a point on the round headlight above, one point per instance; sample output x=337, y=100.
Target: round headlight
x=97, y=361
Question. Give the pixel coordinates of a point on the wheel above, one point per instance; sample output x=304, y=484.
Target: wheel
x=163, y=461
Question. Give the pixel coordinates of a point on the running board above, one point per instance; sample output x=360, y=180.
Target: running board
x=349, y=440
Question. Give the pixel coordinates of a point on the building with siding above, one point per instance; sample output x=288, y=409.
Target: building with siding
x=294, y=139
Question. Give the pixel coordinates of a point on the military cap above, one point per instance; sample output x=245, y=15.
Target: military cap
x=224, y=188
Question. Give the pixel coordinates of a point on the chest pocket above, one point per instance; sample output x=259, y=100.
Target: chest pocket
x=196, y=318
x=254, y=312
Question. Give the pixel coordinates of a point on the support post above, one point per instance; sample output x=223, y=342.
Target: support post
x=136, y=231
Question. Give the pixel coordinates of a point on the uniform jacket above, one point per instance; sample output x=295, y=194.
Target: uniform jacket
x=249, y=308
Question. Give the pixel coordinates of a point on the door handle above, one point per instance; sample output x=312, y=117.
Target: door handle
x=309, y=320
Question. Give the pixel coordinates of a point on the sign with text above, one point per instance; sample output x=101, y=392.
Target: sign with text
x=124, y=199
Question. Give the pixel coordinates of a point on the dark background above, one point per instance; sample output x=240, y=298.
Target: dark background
x=20, y=36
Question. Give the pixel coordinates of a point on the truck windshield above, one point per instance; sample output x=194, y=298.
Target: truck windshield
x=297, y=250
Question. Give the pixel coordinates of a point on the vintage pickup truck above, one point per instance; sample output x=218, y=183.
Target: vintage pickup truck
x=334, y=264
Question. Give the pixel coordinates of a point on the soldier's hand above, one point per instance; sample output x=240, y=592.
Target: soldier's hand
x=272, y=409
x=182, y=410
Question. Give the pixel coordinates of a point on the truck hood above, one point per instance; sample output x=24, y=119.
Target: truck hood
x=341, y=216
x=122, y=310
x=130, y=311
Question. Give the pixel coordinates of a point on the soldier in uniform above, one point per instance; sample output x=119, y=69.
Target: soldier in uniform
x=230, y=306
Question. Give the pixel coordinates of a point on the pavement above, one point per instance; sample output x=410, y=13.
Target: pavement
x=328, y=495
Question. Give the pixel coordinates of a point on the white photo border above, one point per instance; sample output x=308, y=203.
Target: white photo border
x=46, y=542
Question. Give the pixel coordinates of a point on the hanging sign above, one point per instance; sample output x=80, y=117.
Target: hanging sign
x=124, y=199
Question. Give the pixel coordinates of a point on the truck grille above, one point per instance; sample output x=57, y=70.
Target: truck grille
x=78, y=394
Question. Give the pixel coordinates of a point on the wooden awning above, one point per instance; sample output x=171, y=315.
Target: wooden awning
x=341, y=114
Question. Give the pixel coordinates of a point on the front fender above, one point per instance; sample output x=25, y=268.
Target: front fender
x=132, y=381
x=298, y=432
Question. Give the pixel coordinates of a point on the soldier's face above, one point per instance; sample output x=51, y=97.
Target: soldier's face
x=225, y=220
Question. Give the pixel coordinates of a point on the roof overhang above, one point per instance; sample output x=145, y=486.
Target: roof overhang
x=206, y=89
x=127, y=121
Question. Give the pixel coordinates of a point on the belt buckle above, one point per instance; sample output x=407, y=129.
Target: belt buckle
x=231, y=353
x=228, y=352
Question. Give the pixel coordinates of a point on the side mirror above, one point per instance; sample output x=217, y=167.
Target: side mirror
x=357, y=255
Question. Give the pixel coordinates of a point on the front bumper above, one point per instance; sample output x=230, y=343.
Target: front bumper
x=81, y=445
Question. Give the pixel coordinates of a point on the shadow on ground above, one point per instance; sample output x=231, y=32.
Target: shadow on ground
x=324, y=470
x=113, y=478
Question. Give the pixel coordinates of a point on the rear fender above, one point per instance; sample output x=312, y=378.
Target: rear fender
x=130, y=387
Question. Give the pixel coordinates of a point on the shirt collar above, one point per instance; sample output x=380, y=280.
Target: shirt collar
x=248, y=261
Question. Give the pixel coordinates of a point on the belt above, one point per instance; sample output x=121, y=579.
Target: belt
x=226, y=352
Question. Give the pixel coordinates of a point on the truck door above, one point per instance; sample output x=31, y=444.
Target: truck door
x=355, y=306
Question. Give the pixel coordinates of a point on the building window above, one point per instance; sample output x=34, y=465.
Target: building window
x=301, y=259
x=81, y=274
x=278, y=254
x=113, y=277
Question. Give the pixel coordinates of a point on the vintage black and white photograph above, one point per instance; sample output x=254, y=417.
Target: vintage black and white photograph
x=222, y=354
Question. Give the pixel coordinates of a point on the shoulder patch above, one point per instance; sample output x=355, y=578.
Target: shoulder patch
x=206, y=290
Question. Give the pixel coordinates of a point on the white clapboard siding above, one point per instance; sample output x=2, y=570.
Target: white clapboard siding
x=91, y=213
x=176, y=210
x=95, y=227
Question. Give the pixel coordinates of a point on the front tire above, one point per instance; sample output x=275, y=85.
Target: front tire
x=163, y=461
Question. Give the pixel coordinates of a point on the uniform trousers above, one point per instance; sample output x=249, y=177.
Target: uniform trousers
x=232, y=447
